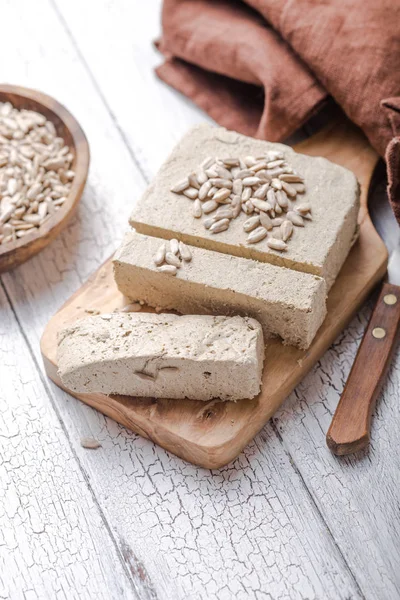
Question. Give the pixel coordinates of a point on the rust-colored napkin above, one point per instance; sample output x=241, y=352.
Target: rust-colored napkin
x=263, y=67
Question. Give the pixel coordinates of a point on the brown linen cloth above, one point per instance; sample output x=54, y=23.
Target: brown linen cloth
x=265, y=66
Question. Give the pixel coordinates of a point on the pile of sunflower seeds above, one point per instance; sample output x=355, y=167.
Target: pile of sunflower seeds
x=170, y=256
x=35, y=171
x=263, y=187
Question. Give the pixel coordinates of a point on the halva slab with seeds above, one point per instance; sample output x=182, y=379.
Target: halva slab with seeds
x=287, y=303
x=212, y=168
x=199, y=357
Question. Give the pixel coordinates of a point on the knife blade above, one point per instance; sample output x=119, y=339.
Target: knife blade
x=350, y=427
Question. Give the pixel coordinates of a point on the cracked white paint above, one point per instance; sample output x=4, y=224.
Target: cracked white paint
x=251, y=530
x=53, y=541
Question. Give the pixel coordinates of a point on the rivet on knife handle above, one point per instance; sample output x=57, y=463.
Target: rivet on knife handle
x=349, y=430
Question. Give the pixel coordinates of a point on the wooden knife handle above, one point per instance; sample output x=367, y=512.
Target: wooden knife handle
x=349, y=430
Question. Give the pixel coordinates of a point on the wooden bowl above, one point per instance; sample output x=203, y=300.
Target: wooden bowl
x=15, y=253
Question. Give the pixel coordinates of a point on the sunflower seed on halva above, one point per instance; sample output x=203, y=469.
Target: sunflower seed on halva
x=265, y=221
x=261, y=204
x=191, y=193
x=209, y=206
x=224, y=212
x=172, y=259
x=257, y=235
x=203, y=191
x=168, y=269
x=295, y=218
x=197, y=210
x=185, y=252
x=303, y=208
x=222, y=196
x=276, y=244
x=251, y=224
x=174, y=246
x=290, y=190
x=159, y=256
x=180, y=186
x=193, y=181
x=219, y=226
x=286, y=230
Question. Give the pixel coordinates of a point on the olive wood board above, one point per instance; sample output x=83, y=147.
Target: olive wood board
x=211, y=434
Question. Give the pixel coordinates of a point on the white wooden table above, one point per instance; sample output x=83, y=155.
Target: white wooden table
x=287, y=519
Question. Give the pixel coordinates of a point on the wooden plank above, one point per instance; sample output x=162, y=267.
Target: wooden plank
x=248, y=530
x=53, y=539
x=347, y=503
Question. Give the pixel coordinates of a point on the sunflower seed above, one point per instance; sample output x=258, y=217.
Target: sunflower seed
x=261, y=192
x=191, y=193
x=250, y=207
x=222, y=196
x=33, y=219
x=172, y=259
x=159, y=256
x=185, y=252
x=299, y=187
x=180, y=186
x=250, y=181
x=197, y=210
x=210, y=221
x=275, y=163
x=168, y=269
x=251, y=224
x=219, y=226
x=90, y=443
x=201, y=177
x=246, y=194
x=212, y=191
x=276, y=222
x=224, y=212
x=291, y=192
x=211, y=172
x=265, y=221
x=133, y=307
x=193, y=181
x=257, y=235
x=282, y=199
x=236, y=206
x=205, y=188
x=303, y=208
x=286, y=230
x=209, y=206
x=291, y=178
x=276, y=244
x=231, y=162
x=274, y=155
x=295, y=218
x=207, y=162
x=174, y=246
x=244, y=173
x=261, y=204
x=237, y=186
x=222, y=172
x=221, y=183
x=276, y=184
x=249, y=161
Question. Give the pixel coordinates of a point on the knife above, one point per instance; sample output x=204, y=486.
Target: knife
x=350, y=427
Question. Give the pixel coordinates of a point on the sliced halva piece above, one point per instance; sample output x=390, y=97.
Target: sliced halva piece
x=199, y=357
x=320, y=247
x=287, y=303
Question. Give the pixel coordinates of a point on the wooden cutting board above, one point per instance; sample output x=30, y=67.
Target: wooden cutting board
x=211, y=434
